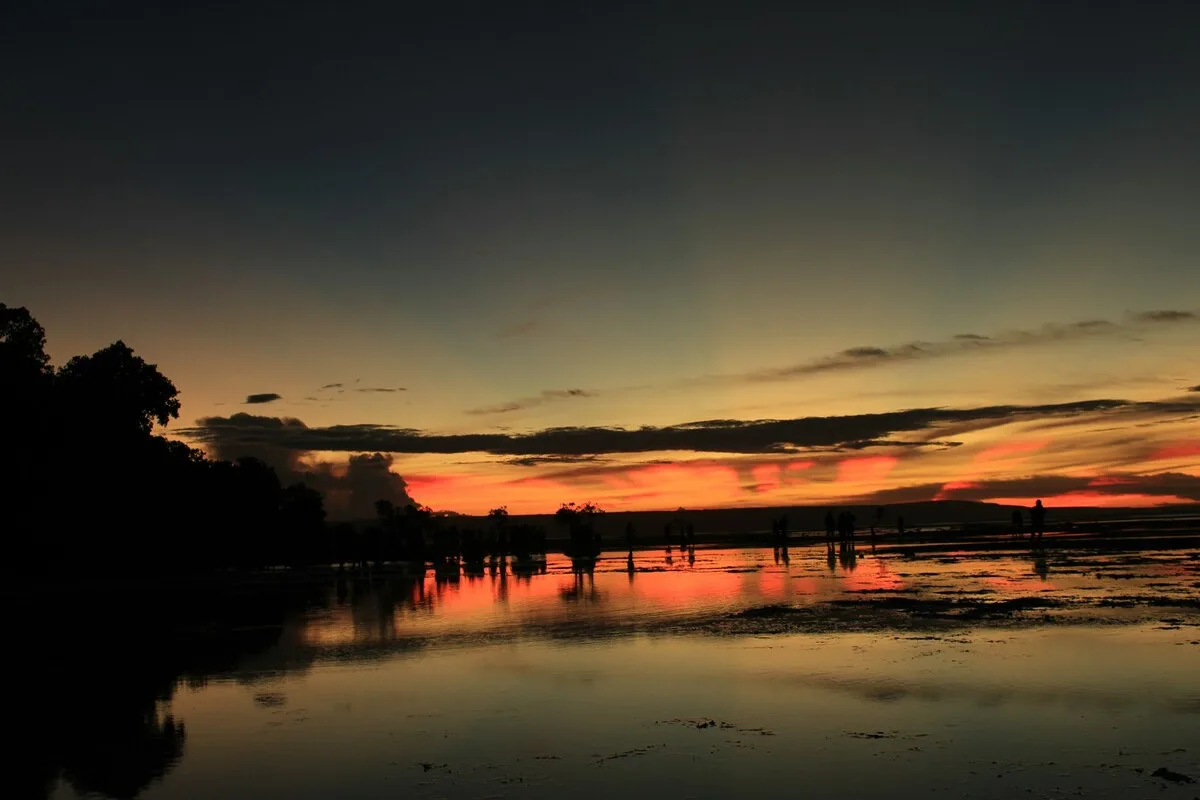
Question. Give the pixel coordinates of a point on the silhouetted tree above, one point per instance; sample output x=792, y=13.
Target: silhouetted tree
x=116, y=392
x=30, y=434
x=22, y=347
x=418, y=523
x=527, y=541
x=499, y=545
x=302, y=517
x=579, y=519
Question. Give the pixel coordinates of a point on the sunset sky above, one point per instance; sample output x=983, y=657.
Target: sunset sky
x=643, y=254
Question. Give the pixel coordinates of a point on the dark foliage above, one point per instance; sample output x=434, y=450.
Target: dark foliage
x=156, y=505
x=153, y=504
x=579, y=520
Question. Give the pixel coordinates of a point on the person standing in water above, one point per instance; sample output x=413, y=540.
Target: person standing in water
x=1037, y=521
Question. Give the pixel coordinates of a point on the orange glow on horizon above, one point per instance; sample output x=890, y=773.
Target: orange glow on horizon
x=954, y=486
x=1094, y=500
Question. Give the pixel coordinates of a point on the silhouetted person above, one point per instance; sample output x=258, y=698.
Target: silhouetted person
x=830, y=525
x=1037, y=521
x=900, y=527
x=629, y=538
x=850, y=525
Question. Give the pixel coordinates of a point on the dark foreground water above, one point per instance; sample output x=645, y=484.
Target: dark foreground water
x=736, y=673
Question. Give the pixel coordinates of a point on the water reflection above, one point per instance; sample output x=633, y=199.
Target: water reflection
x=105, y=722
x=95, y=712
x=1041, y=568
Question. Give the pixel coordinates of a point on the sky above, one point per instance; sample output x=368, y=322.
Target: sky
x=649, y=255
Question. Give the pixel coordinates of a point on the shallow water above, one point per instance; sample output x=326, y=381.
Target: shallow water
x=659, y=682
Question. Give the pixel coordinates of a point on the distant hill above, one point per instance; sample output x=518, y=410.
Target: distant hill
x=811, y=518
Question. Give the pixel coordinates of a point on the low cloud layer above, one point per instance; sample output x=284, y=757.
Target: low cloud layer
x=350, y=489
x=267, y=397
x=930, y=426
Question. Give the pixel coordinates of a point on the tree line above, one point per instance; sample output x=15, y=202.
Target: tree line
x=88, y=485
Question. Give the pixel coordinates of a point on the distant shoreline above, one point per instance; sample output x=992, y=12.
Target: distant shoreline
x=1131, y=535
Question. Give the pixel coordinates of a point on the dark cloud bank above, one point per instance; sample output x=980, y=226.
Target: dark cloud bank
x=855, y=432
x=350, y=489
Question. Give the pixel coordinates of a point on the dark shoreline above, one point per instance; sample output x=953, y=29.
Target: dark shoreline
x=1144, y=535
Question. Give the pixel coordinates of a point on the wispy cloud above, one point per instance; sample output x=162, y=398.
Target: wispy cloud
x=332, y=386
x=520, y=404
x=377, y=389
x=267, y=397
x=1163, y=315
x=865, y=357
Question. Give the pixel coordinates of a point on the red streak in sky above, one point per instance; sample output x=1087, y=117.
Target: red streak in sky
x=766, y=477
x=1181, y=450
x=869, y=469
x=1008, y=450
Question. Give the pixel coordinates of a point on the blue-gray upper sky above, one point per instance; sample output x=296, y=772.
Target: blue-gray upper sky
x=488, y=203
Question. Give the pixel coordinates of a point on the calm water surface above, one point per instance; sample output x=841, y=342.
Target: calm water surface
x=637, y=684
